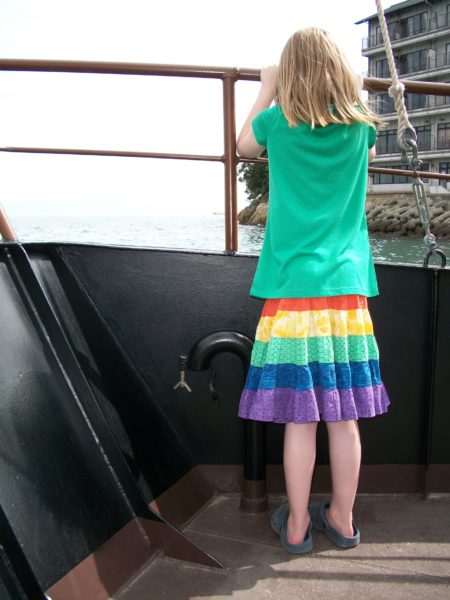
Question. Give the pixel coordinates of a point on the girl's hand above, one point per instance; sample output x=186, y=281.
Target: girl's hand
x=269, y=77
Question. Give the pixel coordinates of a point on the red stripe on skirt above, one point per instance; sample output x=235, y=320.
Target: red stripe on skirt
x=347, y=302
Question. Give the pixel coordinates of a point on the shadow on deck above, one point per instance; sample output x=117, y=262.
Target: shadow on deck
x=404, y=553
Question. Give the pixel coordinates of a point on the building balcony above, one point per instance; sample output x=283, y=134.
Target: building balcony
x=427, y=151
x=417, y=105
x=401, y=32
x=414, y=67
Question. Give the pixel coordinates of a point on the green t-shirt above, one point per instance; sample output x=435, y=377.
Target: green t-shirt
x=316, y=241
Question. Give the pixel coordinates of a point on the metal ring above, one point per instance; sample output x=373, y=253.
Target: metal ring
x=439, y=253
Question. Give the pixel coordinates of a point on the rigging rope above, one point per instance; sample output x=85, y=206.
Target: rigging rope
x=406, y=134
x=407, y=140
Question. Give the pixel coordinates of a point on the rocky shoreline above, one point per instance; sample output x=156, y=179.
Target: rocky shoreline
x=386, y=214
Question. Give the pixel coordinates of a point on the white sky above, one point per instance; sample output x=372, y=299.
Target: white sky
x=138, y=113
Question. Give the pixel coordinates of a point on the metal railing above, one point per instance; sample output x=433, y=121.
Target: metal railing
x=230, y=160
x=401, y=30
x=227, y=75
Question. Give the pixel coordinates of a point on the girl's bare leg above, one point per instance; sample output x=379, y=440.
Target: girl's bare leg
x=345, y=460
x=299, y=460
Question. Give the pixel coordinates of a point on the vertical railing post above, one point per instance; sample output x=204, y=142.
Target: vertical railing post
x=229, y=125
x=6, y=229
x=433, y=329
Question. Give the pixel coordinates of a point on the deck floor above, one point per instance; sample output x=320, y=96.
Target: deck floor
x=404, y=553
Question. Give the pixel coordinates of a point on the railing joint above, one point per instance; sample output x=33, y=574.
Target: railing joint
x=231, y=74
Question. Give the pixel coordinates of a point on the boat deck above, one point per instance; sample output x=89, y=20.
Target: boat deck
x=404, y=553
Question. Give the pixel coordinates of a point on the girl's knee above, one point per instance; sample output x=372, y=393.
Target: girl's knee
x=343, y=428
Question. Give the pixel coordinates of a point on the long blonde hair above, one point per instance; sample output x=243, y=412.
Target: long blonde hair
x=316, y=84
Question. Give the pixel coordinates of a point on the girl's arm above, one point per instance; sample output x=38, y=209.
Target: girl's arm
x=372, y=153
x=246, y=143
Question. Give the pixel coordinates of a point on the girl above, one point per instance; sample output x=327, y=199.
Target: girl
x=315, y=356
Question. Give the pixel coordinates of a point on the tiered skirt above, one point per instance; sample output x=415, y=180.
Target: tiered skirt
x=314, y=359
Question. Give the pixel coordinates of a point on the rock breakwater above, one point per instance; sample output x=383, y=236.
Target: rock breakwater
x=387, y=214
x=397, y=214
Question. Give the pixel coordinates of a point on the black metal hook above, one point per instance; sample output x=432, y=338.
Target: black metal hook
x=430, y=253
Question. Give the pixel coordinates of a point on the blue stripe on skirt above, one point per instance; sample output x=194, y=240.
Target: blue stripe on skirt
x=329, y=376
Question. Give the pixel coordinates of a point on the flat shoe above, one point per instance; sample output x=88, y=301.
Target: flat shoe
x=279, y=518
x=278, y=522
x=319, y=521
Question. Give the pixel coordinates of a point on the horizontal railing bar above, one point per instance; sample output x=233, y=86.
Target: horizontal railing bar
x=374, y=84
x=408, y=173
x=383, y=170
x=201, y=157
x=261, y=161
x=127, y=68
x=117, y=68
x=119, y=153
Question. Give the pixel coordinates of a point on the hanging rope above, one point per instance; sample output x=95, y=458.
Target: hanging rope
x=407, y=140
x=406, y=134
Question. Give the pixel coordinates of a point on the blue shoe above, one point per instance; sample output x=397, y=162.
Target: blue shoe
x=278, y=522
x=320, y=521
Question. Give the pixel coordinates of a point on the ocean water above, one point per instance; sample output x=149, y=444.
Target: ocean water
x=205, y=232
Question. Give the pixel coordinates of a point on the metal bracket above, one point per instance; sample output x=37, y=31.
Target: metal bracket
x=182, y=384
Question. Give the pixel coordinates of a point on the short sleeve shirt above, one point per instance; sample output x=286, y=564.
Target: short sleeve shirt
x=316, y=241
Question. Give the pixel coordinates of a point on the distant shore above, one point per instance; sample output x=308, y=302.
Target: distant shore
x=386, y=214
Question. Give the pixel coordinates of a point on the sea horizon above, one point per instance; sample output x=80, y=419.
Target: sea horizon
x=202, y=232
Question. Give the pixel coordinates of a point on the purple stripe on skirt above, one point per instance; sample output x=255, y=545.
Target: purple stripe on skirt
x=283, y=405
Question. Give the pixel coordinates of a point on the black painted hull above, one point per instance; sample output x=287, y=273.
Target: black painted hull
x=92, y=430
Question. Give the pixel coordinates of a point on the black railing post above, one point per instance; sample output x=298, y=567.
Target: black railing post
x=254, y=496
x=434, y=314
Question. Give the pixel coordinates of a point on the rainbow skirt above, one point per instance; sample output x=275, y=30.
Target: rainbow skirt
x=314, y=359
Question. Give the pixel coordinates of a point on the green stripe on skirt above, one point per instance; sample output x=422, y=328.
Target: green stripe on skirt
x=322, y=349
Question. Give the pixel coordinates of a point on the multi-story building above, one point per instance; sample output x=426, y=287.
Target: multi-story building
x=420, y=38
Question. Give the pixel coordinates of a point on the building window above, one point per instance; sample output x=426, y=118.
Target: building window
x=413, y=62
x=387, y=142
x=447, y=54
x=444, y=168
x=393, y=30
x=382, y=68
x=423, y=137
x=414, y=25
x=443, y=136
x=384, y=104
x=378, y=39
x=415, y=101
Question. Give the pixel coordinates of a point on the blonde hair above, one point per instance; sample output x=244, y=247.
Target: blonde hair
x=316, y=84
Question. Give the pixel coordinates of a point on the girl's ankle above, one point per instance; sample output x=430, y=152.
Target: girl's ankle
x=298, y=530
x=344, y=525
